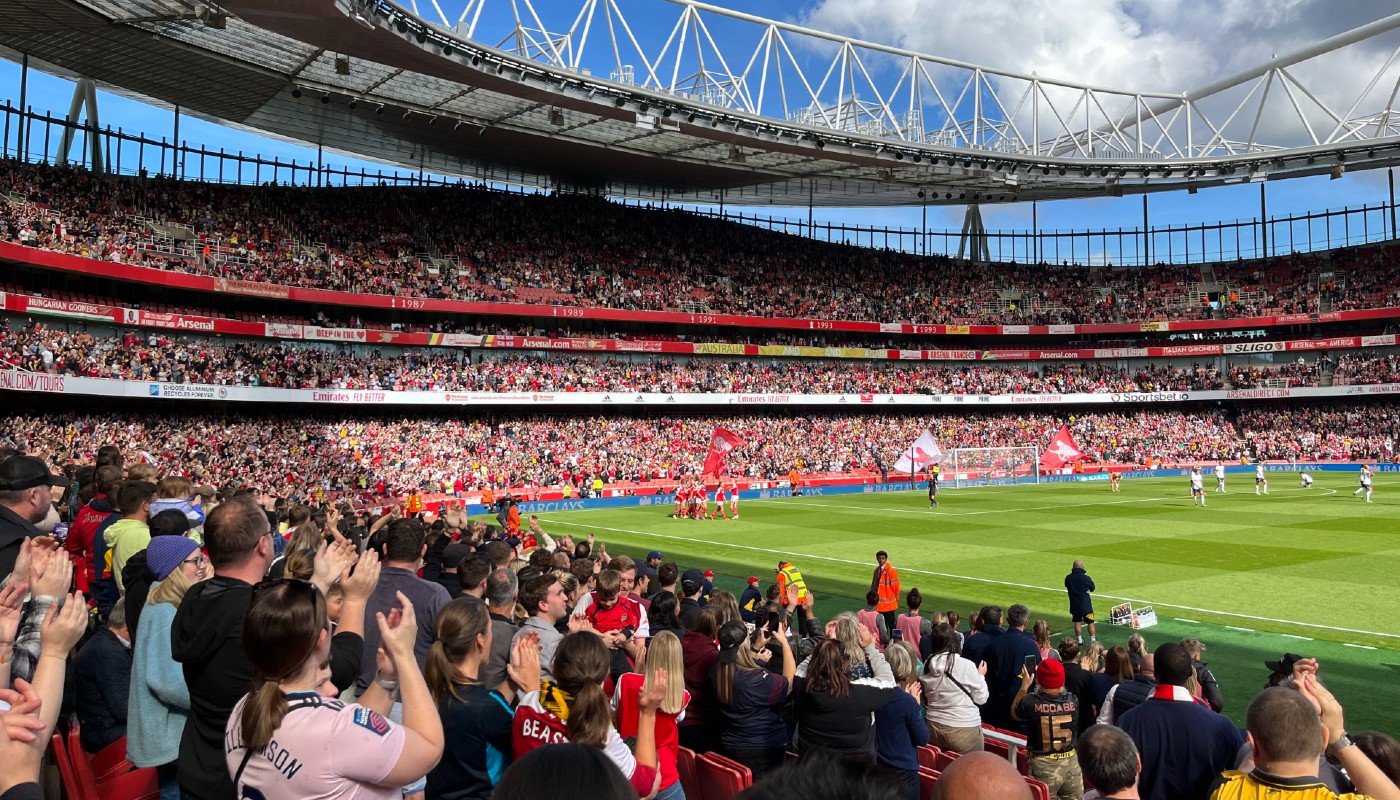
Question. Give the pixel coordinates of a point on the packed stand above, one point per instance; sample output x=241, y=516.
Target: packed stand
x=576, y=251
x=1356, y=368
x=370, y=456
x=1300, y=372
x=1321, y=433
x=159, y=356
x=456, y=658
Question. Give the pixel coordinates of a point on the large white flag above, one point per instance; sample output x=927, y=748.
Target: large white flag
x=920, y=455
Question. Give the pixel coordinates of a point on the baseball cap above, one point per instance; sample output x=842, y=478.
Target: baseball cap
x=692, y=580
x=753, y=579
x=732, y=636
x=1050, y=674
x=656, y=554
x=453, y=554
x=1284, y=665
x=26, y=472
x=709, y=574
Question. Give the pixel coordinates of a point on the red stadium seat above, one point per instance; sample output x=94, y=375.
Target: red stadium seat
x=138, y=784
x=685, y=766
x=66, y=774
x=111, y=761
x=928, y=757
x=946, y=757
x=721, y=778
x=1039, y=789
x=927, y=779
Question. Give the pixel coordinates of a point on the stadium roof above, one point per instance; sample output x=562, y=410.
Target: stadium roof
x=371, y=79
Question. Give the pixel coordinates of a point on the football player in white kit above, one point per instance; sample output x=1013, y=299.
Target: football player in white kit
x=1260, y=479
x=1220, y=478
x=1365, y=480
x=1198, y=491
x=1305, y=479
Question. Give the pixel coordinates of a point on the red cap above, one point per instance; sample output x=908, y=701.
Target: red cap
x=1050, y=674
x=709, y=573
x=753, y=579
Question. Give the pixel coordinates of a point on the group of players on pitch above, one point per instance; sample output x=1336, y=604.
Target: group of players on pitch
x=1261, y=482
x=693, y=502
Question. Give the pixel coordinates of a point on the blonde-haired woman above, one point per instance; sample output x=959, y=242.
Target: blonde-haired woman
x=159, y=701
x=663, y=653
x=476, y=719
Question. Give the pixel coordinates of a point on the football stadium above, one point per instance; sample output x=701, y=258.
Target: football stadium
x=665, y=399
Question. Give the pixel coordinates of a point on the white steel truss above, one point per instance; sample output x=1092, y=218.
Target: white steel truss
x=743, y=64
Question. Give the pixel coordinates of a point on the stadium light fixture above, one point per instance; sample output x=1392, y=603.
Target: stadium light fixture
x=921, y=194
x=818, y=142
x=326, y=99
x=407, y=114
x=457, y=124
x=379, y=112
x=401, y=24
x=1312, y=160
x=690, y=117
x=898, y=156
x=432, y=120
x=422, y=36
x=1063, y=171
x=296, y=92
x=620, y=102
x=918, y=158
x=947, y=195
x=353, y=104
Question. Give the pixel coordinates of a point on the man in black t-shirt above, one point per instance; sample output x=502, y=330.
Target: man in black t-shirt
x=933, y=488
x=1052, y=729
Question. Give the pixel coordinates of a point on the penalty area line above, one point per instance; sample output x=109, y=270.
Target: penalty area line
x=989, y=581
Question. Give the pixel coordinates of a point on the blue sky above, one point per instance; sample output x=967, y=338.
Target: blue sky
x=47, y=93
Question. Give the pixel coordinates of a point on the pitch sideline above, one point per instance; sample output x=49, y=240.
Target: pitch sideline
x=972, y=579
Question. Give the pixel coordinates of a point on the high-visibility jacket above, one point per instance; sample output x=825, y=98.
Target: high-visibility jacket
x=887, y=586
x=790, y=580
x=415, y=503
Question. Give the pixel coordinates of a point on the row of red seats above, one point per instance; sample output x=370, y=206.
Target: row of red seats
x=711, y=776
x=106, y=775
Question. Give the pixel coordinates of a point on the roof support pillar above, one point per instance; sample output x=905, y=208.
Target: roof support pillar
x=84, y=97
x=973, y=243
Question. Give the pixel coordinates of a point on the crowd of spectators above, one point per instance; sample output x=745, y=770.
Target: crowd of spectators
x=1300, y=372
x=1359, y=368
x=451, y=658
x=159, y=356
x=1304, y=433
x=378, y=455
x=477, y=244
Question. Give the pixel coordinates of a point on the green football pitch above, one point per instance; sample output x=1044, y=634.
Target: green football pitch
x=1309, y=571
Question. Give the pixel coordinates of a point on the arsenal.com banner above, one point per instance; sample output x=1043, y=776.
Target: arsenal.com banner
x=20, y=381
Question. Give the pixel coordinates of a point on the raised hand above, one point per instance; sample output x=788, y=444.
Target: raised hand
x=654, y=692
x=524, y=668
x=62, y=628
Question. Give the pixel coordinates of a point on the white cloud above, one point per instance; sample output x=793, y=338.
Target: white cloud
x=1137, y=45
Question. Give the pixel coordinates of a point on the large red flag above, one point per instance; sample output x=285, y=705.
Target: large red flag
x=1062, y=451
x=720, y=444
